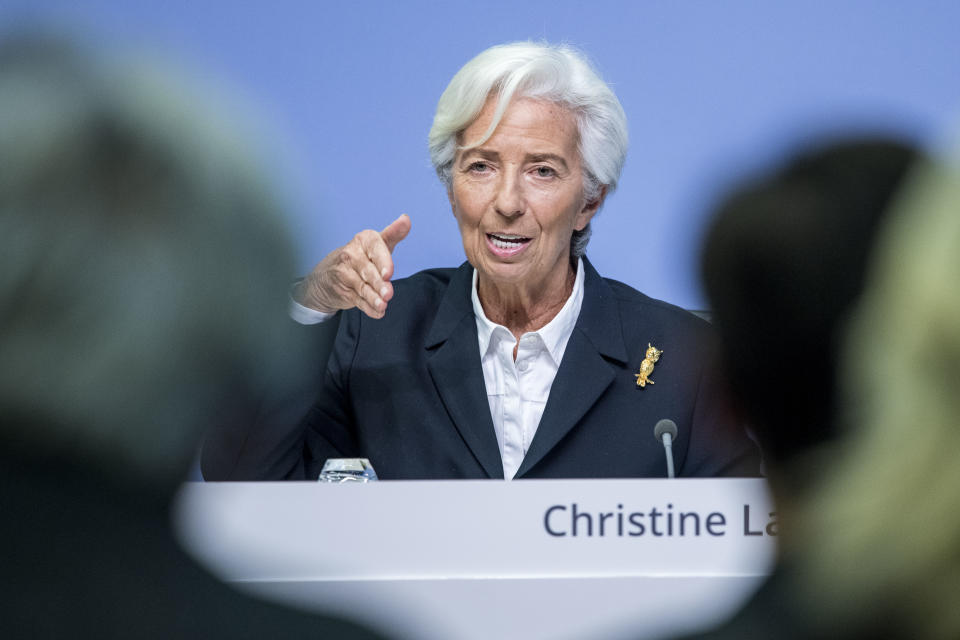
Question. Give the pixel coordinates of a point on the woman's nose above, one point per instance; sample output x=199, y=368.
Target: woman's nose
x=510, y=201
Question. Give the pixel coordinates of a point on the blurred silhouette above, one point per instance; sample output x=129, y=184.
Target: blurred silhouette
x=883, y=530
x=129, y=221
x=784, y=264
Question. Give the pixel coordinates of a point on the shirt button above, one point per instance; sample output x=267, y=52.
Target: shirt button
x=522, y=365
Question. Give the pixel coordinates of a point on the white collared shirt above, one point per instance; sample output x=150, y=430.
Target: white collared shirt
x=518, y=390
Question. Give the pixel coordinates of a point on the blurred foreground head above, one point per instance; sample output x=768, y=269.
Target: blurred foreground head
x=783, y=264
x=141, y=257
x=885, y=527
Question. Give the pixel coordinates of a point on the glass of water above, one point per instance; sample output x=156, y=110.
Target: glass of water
x=347, y=470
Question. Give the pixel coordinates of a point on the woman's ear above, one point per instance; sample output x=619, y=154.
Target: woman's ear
x=589, y=209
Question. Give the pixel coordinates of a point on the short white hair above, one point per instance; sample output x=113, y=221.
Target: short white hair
x=554, y=73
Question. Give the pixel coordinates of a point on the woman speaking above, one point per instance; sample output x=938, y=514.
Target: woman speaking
x=523, y=362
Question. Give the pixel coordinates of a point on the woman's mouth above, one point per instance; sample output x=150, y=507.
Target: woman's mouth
x=505, y=244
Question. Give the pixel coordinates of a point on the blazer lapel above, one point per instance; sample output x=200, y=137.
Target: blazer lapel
x=584, y=373
x=454, y=364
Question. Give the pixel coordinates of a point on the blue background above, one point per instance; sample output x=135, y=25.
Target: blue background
x=711, y=89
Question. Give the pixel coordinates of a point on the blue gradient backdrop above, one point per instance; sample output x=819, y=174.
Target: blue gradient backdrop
x=711, y=90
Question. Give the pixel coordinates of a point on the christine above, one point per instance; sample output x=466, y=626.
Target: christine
x=561, y=520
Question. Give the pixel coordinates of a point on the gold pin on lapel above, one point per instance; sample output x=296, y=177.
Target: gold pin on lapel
x=646, y=367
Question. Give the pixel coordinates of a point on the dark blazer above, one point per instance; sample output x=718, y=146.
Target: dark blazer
x=407, y=392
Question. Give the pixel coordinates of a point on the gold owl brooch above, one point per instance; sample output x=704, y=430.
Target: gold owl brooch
x=646, y=367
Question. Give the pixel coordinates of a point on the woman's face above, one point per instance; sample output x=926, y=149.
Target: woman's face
x=519, y=196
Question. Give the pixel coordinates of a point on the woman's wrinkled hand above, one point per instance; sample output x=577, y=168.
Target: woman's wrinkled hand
x=357, y=274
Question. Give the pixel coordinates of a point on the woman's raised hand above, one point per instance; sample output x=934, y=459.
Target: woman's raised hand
x=357, y=274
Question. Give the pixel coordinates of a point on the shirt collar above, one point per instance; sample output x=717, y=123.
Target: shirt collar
x=555, y=334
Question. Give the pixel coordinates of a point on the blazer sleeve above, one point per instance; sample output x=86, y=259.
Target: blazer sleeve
x=719, y=445
x=260, y=435
x=328, y=427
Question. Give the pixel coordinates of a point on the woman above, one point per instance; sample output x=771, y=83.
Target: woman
x=523, y=362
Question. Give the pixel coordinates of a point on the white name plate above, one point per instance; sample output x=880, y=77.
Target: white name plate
x=480, y=529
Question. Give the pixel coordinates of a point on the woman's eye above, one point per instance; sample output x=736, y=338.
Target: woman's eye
x=479, y=167
x=545, y=172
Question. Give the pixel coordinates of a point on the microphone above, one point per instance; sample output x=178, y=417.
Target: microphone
x=665, y=431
